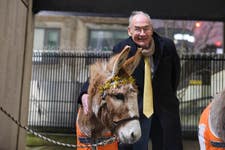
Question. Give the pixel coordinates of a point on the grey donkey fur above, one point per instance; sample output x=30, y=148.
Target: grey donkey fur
x=217, y=115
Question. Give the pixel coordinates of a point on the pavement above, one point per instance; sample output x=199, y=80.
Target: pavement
x=188, y=145
x=191, y=145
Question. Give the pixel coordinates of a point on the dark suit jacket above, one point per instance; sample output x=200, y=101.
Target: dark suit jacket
x=165, y=76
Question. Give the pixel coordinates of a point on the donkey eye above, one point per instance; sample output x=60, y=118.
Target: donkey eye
x=119, y=96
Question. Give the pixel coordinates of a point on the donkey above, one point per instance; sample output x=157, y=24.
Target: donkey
x=211, y=133
x=112, y=101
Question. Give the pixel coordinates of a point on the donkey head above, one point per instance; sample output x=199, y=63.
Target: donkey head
x=217, y=115
x=113, y=96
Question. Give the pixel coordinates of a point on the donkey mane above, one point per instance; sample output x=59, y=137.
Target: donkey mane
x=217, y=115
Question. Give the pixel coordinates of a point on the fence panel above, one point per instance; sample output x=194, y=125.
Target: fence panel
x=202, y=76
x=57, y=78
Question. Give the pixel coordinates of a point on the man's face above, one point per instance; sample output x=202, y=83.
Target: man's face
x=141, y=31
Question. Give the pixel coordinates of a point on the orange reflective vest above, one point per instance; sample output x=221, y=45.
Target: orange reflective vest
x=83, y=140
x=207, y=139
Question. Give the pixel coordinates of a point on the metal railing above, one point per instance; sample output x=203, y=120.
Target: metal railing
x=202, y=77
x=57, y=78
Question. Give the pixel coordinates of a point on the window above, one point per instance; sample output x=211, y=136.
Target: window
x=104, y=40
x=183, y=38
x=46, y=38
x=192, y=36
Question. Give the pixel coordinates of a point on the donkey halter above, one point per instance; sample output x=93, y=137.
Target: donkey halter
x=117, y=82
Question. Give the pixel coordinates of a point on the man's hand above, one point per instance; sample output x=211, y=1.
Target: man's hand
x=84, y=100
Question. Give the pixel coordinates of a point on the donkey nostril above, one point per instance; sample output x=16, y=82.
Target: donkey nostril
x=132, y=135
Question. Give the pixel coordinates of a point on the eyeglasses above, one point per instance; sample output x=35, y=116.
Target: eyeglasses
x=139, y=30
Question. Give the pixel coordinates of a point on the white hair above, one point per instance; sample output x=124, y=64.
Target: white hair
x=134, y=13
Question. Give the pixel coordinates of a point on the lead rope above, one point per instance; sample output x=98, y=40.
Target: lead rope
x=102, y=143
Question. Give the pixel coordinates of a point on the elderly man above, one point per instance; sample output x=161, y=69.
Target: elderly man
x=162, y=123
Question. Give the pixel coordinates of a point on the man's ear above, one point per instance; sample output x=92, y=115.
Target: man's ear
x=129, y=31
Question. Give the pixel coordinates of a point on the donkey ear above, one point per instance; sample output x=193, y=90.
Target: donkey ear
x=119, y=60
x=131, y=64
